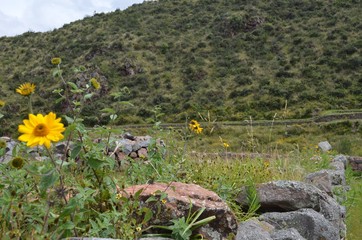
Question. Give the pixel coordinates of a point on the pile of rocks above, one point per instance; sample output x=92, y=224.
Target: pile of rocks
x=289, y=210
x=300, y=210
x=135, y=147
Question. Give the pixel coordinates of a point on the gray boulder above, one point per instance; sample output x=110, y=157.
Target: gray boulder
x=310, y=224
x=287, y=234
x=254, y=229
x=283, y=196
x=7, y=154
x=336, y=165
x=341, y=158
x=155, y=238
x=321, y=180
x=338, y=177
x=325, y=146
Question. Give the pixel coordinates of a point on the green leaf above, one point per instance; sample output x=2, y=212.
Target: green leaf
x=76, y=90
x=72, y=85
x=48, y=180
x=59, y=99
x=108, y=110
x=69, y=119
x=126, y=103
x=148, y=214
x=76, y=150
x=63, y=163
x=68, y=225
x=70, y=208
x=94, y=162
x=57, y=72
x=81, y=128
x=88, y=96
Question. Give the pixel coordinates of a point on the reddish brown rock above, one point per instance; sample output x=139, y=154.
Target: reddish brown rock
x=142, y=153
x=133, y=155
x=355, y=162
x=179, y=197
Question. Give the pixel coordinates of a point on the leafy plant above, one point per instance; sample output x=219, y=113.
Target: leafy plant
x=182, y=228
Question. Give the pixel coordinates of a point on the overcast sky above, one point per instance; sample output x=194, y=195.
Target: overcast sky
x=19, y=16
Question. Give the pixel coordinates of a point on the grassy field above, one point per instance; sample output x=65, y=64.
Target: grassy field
x=264, y=153
x=344, y=136
x=53, y=198
x=354, y=207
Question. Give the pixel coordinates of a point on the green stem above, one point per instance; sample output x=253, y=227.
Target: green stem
x=94, y=171
x=30, y=105
x=62, y=186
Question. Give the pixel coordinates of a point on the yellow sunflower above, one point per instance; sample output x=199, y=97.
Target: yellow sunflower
x=56, y=61
x=26, y=89
x=95, y=83
x=41, y=130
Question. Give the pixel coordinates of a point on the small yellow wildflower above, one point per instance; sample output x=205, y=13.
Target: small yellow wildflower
x=164, y=201
x=138, y=229
x=225, y=144
x=195, y=126
x=2, y=103
x=118, y=196
x=26, y=89
x=194, y=123
x=95, y=83
x=56, y=61
x=41, y=130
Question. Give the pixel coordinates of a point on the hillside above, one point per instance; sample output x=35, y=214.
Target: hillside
x=234, y=58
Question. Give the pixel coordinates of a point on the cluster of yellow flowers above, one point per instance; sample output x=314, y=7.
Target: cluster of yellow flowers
x=195, y=126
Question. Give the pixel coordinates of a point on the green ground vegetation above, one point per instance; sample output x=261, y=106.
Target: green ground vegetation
x=354, y=206
x=88, y=199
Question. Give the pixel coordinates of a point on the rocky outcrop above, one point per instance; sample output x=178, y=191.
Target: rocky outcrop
x=135, y=147
x=302, y=210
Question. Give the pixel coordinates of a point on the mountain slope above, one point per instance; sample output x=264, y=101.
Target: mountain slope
x=233, y=57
